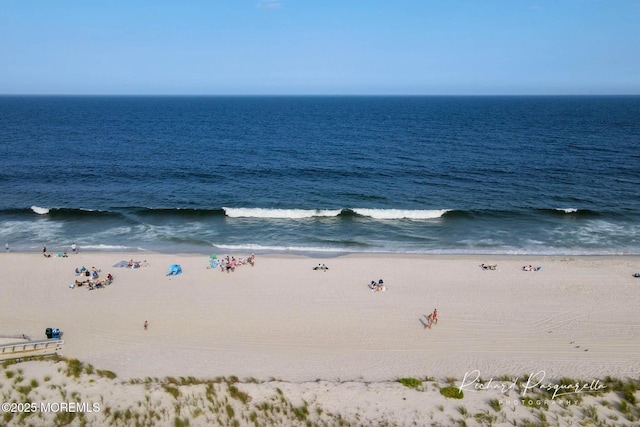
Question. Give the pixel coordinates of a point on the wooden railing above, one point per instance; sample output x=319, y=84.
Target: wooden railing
x=24, y=349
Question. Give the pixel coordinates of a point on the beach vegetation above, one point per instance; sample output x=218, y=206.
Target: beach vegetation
x=463, y=411
x=410, y=382
x=450, y=380
x=127, y=415
x=240, y=395
x=461, y=422
x=495, y=404
x=230, y=412
x=180, y=422
x=485, y=418
x=452, y=392
x=301, y=413
x=25, y=389
x=528, y=423
x=9, y=374
x=7, y=416
x=173, y=391
x=74, y=368
x=64, y=418
x=7, y=363
x=628, y=392
x=89, y=369
x=542, y=416
x=591, y=412
x=106, y=374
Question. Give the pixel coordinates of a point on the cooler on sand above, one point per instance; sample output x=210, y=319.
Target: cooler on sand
x=49, y=332
x=55, y=333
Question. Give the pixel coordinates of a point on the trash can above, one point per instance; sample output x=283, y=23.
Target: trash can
x=49, y=332
x=55, y=333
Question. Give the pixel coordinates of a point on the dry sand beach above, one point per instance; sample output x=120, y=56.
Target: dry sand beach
x=326, y=334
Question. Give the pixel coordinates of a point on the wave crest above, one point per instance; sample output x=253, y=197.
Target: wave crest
x=401, y=213
x=279, y=213
x=39, y=210
x=567, y=210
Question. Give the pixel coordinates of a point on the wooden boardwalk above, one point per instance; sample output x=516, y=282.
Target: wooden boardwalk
x=24, y=349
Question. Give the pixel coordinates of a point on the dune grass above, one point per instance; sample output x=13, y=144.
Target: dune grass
x=183, y=401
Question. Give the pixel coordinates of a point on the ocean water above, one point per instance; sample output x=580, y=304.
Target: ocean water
x=322, y=175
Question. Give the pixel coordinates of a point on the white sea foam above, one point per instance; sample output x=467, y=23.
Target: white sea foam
x=279, y=213
x=401, y=213
x=39, y=210
x=567, y=210
x=103, y=247
x=264, y=248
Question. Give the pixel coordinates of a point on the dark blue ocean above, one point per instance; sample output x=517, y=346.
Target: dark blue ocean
x=322, y=175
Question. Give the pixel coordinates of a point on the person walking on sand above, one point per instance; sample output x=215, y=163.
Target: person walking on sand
x=429, y=321
x=6, y=248
x=146, y=325
x=434, y=316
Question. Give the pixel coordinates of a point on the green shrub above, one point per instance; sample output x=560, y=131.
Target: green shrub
x=410, y=382
x=106, y=374
x=452, y=392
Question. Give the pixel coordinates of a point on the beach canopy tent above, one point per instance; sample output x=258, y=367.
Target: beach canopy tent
x=174, y=270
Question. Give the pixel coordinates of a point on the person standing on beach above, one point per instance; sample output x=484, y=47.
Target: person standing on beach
x=6, y=248
x=146, y=325
x=434, y=316
x=74, y=248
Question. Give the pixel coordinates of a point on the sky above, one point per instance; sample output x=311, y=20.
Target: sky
x=320, y=47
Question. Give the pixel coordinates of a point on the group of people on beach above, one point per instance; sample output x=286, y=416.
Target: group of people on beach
x=137, y=264
x=495, y=267
x=377, y=287
x=432, y=319
x=63, y=254
x=91, y=278
x=229, y=263
x=321, y=267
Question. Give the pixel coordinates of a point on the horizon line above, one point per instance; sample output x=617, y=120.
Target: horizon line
x=239, y=95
